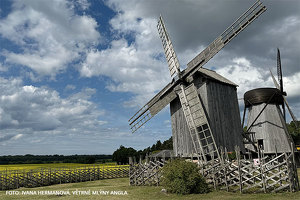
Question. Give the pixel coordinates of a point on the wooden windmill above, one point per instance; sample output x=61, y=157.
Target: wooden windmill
x=183, y=94
x=266, y=121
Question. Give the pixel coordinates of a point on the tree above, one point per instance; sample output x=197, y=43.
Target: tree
x=122, y=154
x=158, y=145
x=295, y=132
x=168, y=144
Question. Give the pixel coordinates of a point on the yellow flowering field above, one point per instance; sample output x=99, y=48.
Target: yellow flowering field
x=28, y=167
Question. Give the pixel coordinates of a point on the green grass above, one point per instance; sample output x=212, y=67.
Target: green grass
x=28, y=167
x=137, y=192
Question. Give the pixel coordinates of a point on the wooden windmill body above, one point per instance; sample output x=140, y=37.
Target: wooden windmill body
x=269, y=130
x=219, y=99
x=200, y=123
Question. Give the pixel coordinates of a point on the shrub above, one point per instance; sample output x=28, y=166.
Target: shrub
x=232, y=155
x=181, y=177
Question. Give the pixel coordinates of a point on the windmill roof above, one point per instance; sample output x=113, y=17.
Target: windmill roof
x=214, y=75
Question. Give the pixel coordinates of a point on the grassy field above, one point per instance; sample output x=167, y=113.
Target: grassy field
x=28, y=167
x=138, y=192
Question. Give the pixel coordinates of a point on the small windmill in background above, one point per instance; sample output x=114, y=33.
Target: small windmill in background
x=266, y=122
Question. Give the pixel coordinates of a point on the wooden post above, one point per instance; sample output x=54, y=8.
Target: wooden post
x=237, y=153
x=295, y=174
x=288, y=170
x=157, y=177
x=261, y=169
x=213, y=171
x=224, y=165
x=226, y=154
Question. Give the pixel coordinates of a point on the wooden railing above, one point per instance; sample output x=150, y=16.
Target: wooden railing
x=264, y=174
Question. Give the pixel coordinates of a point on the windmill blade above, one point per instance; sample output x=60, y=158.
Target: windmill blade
x=168, y=48
x=231, y=32
x=156, y=104
x=274, y=80
x=285, y=101
x=291, y=113
x=279, y=71
x=279, y=74
x=202, y=137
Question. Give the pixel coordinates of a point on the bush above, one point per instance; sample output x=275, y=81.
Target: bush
x=181, y=177
x=232, y=155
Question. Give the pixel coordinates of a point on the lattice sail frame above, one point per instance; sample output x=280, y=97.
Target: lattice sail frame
x=170, y=54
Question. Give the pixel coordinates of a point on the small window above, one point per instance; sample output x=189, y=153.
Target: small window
x=260, y=143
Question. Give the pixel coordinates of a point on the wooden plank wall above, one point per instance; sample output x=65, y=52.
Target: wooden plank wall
x=224, y=115
x=221, y=104
x=182, y=143
x=269, y=127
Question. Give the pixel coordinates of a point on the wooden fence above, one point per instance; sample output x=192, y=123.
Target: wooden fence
x=145, y=174
x=43, y=177
x=264, y=174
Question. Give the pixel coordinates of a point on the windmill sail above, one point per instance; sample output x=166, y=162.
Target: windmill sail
x=285, y=101
x=279, y=73
x=168, y=47
x=156, y=104
x=202, y=138
x=231, y=32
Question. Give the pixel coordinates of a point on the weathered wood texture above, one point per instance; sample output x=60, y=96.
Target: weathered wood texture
x=43, y=177
x=267, y=174
x=269, y=127
x=221, y=104
x=148, y=173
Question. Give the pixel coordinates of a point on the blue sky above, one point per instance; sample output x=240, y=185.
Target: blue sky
x=73, y=72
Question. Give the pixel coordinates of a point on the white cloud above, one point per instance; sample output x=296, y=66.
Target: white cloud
x=291, y=85
x=243, y=73
x=83, y=4
x=29, y=109
x=139, y=67
x=70, y=87
x=50, y=34
x=18, y=136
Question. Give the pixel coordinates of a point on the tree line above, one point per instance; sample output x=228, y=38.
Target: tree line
x=121, y=154
x=40, y=159
x=294, y=131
